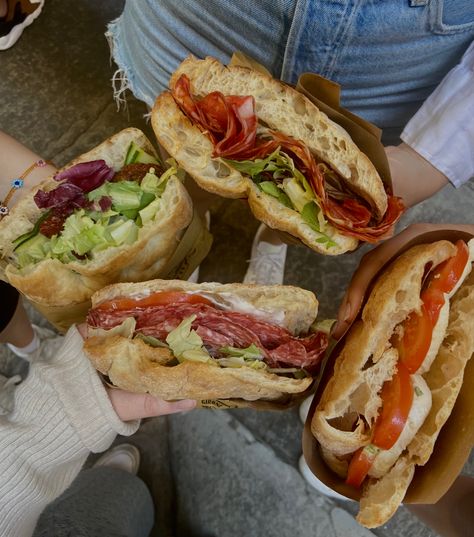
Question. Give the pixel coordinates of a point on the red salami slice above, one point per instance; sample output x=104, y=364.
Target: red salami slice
x=231, y=124
x=218, y=328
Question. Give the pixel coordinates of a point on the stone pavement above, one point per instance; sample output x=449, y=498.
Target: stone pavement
x=212, y=473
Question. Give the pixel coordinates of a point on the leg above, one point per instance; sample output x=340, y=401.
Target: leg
x=15, y=327
x=102, y=501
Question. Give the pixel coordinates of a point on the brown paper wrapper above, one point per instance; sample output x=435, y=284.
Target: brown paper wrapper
x=191, y=250
x=279, y=404
x=325, y=94
x=456, y=438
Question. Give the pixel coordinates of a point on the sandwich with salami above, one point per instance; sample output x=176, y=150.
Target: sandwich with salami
x=113, y=214
x=242, y=134
x=397, y=376
x=180, y=340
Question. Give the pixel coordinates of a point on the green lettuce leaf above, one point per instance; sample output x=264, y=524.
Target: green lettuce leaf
x=310, y=215
x=186, y=343
x=249, y=353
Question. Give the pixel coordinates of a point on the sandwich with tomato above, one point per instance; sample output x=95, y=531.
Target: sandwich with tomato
x=180, y=340
x=242, y=134
x=398, y=374
x=113, y=214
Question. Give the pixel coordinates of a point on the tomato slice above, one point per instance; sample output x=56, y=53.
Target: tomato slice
x=397, y=398
x=446, y=275
x=360, y=465
x=413, y=346
x=162, y=298
x=433, y=300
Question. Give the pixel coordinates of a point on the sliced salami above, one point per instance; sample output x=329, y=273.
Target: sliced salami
x=219, y=328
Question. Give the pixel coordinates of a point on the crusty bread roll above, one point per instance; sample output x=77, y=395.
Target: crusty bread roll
x=281, y=108
x=350, y=402
x=52, y=283
x=133, y=365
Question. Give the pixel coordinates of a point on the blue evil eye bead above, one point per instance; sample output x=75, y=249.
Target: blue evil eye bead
x=3, y=210
x=17, y=183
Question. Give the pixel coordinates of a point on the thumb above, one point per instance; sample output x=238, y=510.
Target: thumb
x=132, y=406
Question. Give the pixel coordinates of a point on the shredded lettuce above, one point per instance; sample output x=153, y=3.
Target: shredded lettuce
x=297, y=194
x=236, y=361
x=277, y=176
x=98, y=225
x=126, y=329
x=186, y=344
x=249, y=353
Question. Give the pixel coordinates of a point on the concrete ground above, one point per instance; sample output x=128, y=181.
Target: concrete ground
x=212, y=473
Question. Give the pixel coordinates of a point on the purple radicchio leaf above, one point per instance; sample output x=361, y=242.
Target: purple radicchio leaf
x=63, y=194
x=105, y=203
x=87, y=175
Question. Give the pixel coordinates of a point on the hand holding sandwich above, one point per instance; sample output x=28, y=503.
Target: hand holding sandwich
x=132, y=406
x=371, y=264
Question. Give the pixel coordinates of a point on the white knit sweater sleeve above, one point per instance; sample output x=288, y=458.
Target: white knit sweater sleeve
x=61, y=414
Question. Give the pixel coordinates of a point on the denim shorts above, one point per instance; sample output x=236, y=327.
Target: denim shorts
x=387, y=55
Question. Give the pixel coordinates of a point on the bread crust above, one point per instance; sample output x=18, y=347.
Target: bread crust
x=133, y=367
x=53, y=283
x=395, y=295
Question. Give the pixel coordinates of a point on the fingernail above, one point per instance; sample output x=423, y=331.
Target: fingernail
x=347, y=312
x=186, y=404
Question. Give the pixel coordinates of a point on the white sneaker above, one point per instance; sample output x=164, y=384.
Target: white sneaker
x=124, y=457
x=304, y=408
x=316, y=483
x=33, y=349
x=267, y=260
x=19, y=15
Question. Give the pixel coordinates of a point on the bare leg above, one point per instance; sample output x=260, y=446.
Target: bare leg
x=19, y=331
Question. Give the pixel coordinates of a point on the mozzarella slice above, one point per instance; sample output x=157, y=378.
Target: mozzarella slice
x=437, y=337
x=419, y=410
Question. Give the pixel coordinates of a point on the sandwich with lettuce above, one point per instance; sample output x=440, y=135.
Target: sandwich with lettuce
x=180, y=340
x=114, y=214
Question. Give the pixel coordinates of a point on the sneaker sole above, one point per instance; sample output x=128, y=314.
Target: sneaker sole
x=9, y=40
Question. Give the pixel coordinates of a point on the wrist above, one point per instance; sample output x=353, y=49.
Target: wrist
x=414, y=178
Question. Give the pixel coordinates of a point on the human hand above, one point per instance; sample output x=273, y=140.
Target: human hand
x=373, y=261
x=131, y=406
x=414, y=179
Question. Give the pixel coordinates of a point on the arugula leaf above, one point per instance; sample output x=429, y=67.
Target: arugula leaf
x=310, y=214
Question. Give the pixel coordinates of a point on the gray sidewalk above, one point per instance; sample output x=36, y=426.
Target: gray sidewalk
x=212, y=473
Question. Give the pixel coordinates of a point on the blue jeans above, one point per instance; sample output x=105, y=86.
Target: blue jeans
x=387, y=55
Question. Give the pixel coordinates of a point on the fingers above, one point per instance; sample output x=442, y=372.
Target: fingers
x=132, y=406
x=82, y=329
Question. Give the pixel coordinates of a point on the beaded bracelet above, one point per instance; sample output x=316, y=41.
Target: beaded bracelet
x=17, y=184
